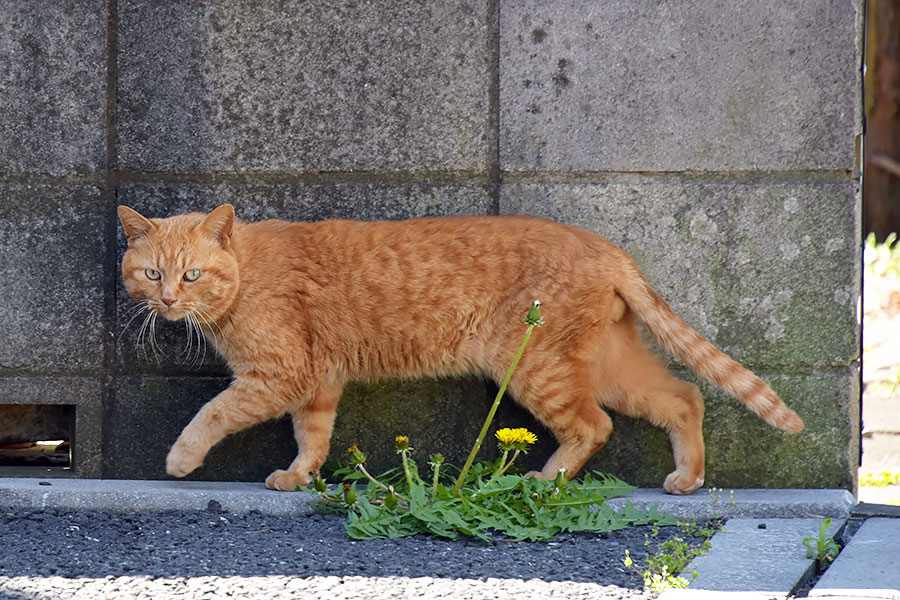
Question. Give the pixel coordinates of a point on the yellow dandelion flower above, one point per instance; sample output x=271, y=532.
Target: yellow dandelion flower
x=401, y=443
x=515, y=439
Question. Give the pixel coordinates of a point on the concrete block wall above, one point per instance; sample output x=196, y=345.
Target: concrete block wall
x=715, y=141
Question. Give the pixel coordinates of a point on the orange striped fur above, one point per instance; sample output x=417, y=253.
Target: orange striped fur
x=300, y=309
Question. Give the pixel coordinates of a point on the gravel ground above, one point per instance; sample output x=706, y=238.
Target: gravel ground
x=61, y=555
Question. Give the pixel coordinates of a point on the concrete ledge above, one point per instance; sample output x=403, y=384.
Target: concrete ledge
x=744, y=503
x=120, y=495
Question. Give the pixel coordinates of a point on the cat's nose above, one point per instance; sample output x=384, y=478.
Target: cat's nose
x=168, y=301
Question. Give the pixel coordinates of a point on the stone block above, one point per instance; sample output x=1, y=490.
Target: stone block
x=298, y=202
x=53, y=76
x=151, y=411
x=299, y=86
x=767, y=272
x=52, y=264
x=867, y=567
x=639, y=86
x=129, y=496
x=756, y=554
x=86, y=395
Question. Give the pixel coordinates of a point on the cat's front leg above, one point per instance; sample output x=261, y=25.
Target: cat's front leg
x=244, y=403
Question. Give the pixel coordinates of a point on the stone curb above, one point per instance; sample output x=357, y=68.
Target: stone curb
x=119, y=495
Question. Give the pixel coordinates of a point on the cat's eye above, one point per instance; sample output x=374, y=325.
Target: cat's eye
x=152, y=274
x=192, y=275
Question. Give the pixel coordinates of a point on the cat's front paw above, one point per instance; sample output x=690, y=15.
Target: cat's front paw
x=680, y=485
x=285, y=481
x=180, y=461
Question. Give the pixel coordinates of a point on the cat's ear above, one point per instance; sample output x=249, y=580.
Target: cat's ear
x=218, y=225
x=135, y=225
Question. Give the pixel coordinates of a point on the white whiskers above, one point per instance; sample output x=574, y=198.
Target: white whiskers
x=198, y=324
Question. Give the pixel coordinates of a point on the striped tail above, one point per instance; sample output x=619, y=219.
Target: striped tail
x=702, y=357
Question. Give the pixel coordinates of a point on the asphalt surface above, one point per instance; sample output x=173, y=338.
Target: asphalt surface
x=52, y=553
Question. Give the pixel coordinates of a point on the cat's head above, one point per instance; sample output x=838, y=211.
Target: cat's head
x=182, y=264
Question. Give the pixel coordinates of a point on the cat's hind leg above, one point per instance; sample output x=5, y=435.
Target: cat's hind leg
x=313, y=424
x=649, y=391
x=580, y=426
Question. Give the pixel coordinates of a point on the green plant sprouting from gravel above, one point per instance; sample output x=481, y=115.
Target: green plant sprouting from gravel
x=822, y=547
x=663, y=568
x=484, y=499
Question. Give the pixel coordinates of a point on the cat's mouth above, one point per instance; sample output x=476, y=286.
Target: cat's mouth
x=173, y=312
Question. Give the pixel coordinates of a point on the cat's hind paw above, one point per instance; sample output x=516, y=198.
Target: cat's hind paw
x=679, y=486
x=286, y=481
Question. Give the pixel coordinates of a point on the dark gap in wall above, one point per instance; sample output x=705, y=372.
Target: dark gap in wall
x=37, y=435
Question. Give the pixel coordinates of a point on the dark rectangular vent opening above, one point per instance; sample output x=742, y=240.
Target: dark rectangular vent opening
x=36, y=435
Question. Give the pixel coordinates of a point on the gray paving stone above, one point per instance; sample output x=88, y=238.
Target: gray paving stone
x=705, y=504
x=52, y=265
x=759, y=555
x=136, y=495
x=297, y=86
x=150, y=496
x=53, y=77
x=635, y=86
x=868, y=567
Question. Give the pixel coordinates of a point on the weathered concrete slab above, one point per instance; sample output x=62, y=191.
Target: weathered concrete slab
x=633, y=86
x=152, y=496
x=52, y=265
x=868, y=567
x=760, y=555
x=742, y=503
x=133, y=495
x=53, y=114
x=303, y=87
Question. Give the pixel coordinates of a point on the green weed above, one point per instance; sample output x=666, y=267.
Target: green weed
x=485, y=498
x=823, y=548
x=662, y=569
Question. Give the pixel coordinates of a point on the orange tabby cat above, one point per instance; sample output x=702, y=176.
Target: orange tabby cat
x=300, y=309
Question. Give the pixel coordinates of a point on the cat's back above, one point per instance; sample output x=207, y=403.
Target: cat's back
x=431, y=231
x=434, y=247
